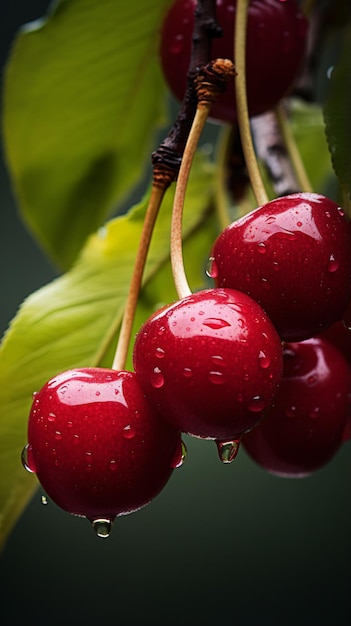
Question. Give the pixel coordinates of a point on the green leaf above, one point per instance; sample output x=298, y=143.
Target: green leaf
x=337, y=114
x=74, y=320
x=83, y=95
x=309, y=130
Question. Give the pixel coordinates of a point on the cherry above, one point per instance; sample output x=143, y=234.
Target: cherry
x=97, y=448
x=292, y=255
x=304, y=428
x=276, y=40
x=209, y=363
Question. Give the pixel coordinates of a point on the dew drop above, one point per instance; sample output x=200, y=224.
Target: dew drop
x=256, y=404
x=51, y=417
x=227, y=450
x=212, y=268
x=159, y=353
x=129, y=432
x=215, y=323
x=157, y=379
x=75, y=439
x=262, y=248
x=28, y=459
x=270, y=219
x=34, y=394
x=44, y=500
x=97, y=393
x=58, y=435
x=102, y=527
x=291, y=411
x=217, y=378
x=263, y=360
x=265, y=284
x=180, y=455
x=218, y=360
x=314, y=413
x=333, y=264
x=112, y=465
x=341, y=211
x=187, y=372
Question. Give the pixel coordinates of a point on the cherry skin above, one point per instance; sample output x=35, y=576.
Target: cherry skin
x=209, y=363
x=276, y=41
x=292, y=255
x=304, y=428
x=96, y=446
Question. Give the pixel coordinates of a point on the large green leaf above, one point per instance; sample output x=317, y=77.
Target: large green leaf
x=83, y=95
x=74, y=320
x=337, y=114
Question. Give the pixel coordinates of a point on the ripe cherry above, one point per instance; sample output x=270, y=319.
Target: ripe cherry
x=276, y=39
x=305, y=426
x=292, y=255
x=97, y=447
x=209, y=363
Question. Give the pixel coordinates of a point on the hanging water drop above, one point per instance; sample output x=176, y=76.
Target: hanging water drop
x=212, y=268
x=102, y=527
x=180, y=455
x=28, y=459
x=227, y=450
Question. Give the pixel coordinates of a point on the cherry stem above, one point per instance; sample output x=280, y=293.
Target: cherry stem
x=292, y=149
x=155, y=201
x=177, y=261
x=241, y=103
x=211, y=80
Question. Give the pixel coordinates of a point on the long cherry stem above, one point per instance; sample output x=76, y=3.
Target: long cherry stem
x=177, y=261
x=241, y=103
x=156, y=197
x=211, y=81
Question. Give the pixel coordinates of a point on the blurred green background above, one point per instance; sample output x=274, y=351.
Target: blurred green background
x=220, y=545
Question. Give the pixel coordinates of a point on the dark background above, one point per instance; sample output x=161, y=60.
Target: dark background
x=220, y=545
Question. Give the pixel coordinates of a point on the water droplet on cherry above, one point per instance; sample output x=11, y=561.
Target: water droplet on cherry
x=44, y=500
x=227, y=450
x=157, y=379
x=215, y=323
x=102, y=527
x=28, y=459
x=180, y=455
x=129, y=432
x=333, y=264
x=263, y=360
x=212, y=268
x=217, y=378
x=159, y=353
x=262, y=248
x=256, y=404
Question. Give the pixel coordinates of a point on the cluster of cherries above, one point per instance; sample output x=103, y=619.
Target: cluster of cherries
x=260, y=358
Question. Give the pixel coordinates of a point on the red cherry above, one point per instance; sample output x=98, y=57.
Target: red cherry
x=210, y=363
x=292, y=255
x=276, y=40
x=304, y=428
x=97, y=448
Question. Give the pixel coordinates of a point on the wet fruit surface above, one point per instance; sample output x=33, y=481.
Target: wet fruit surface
x=209, y=363
x=292, y=255
x=276, y=41
x=305, y=427
x=96, y=446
